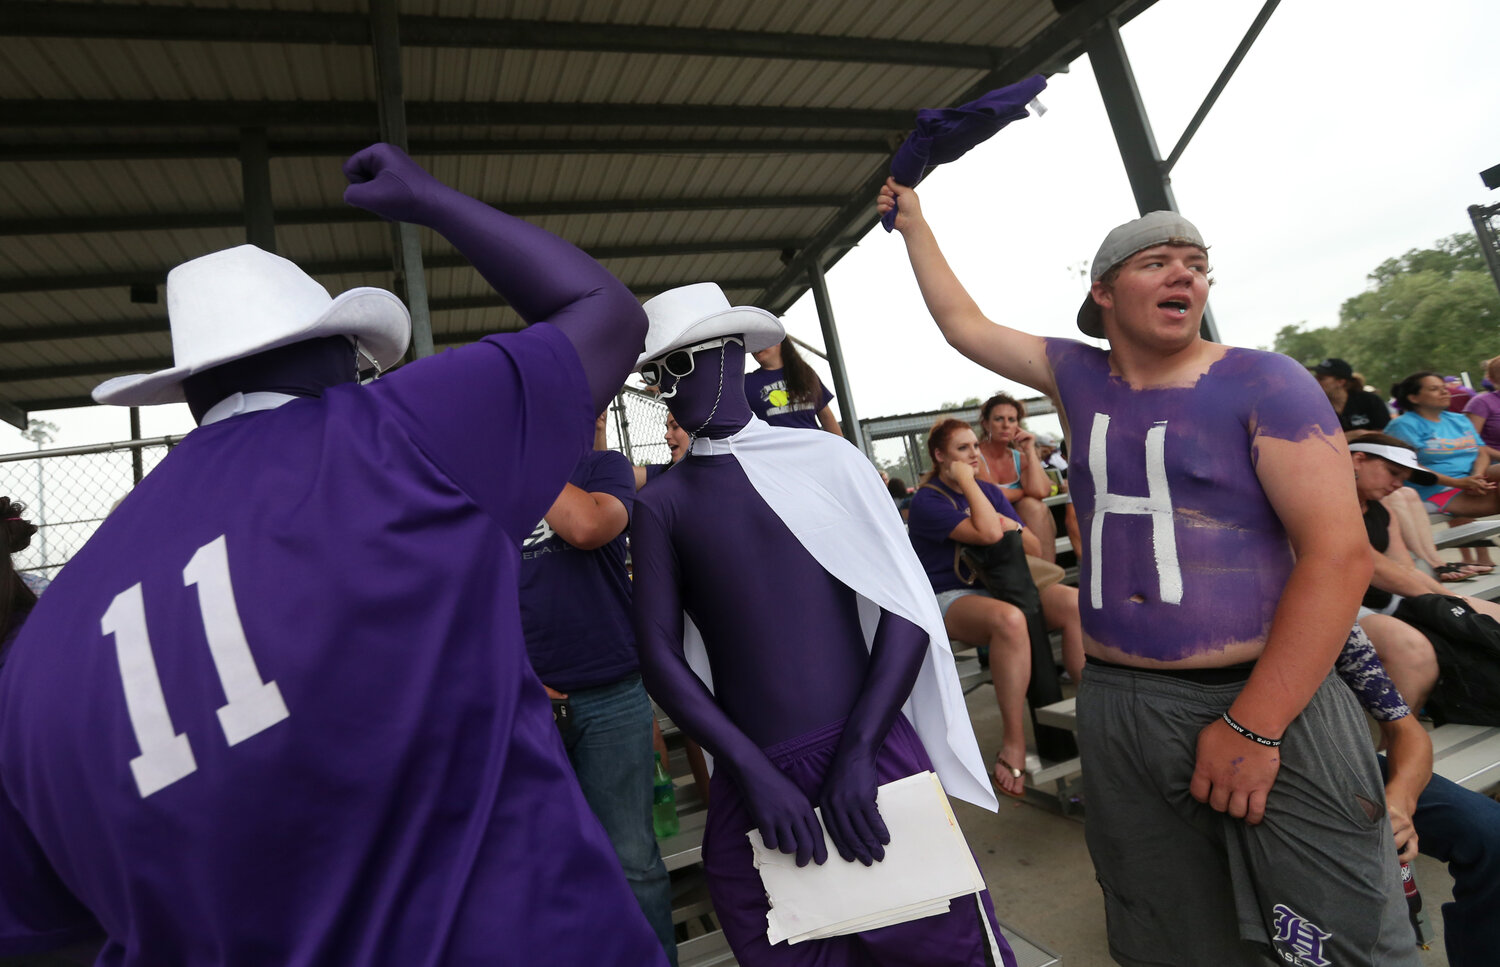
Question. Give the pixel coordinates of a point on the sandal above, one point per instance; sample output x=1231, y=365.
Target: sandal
x=1014, y=774
x=1451, y=573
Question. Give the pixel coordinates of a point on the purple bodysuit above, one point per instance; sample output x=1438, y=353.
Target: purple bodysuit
x=1183, y=554
x=789, y=663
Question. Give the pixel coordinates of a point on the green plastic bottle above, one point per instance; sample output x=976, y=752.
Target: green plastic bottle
x=664, y=803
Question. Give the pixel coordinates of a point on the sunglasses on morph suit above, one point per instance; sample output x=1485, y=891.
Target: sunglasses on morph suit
x=679, y=362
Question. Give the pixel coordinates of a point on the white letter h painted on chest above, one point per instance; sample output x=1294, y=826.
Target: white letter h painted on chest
x=1157, y=503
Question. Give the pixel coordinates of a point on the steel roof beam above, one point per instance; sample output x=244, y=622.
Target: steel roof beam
x=188, y=150
x=39, y=18
x=68, y=113
x=184, y=221
x=123, y=279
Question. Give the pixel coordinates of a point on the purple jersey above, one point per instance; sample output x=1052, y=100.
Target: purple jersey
x=932, y=517
x=1183, y=554
x=575, y=604
x=279, y=711
x=766, y=391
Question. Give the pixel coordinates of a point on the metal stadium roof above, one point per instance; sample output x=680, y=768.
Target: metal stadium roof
x=675, y=141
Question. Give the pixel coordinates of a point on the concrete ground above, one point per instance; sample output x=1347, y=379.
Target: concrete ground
x=1042, y=880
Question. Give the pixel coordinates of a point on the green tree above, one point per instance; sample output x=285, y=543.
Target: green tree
x=1434, y=309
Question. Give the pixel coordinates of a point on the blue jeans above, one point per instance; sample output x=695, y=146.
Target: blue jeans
x=1462, y=828
x=609, y=744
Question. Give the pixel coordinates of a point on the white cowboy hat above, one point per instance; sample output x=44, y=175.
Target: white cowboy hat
x=690, y=314
x=244, y=300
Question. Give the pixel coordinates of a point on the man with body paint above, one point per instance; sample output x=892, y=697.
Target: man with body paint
x=384, y=784
x=796, y=661
x=1231, y=795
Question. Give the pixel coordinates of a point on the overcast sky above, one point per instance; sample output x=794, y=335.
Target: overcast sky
x=1351, y=133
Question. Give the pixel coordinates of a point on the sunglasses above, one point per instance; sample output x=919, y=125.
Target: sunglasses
x=679, y=362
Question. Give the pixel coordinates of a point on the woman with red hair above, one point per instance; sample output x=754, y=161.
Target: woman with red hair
x=952, y=507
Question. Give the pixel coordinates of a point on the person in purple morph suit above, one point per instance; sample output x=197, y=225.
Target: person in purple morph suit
x=278, y=710
x=785, y=624
x=1233, y=802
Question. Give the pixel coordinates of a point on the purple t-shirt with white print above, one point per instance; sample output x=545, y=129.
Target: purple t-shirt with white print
x=1182, y=553
x=767, y=393
x=279, y=711
x=932, y=516
x=575, y=604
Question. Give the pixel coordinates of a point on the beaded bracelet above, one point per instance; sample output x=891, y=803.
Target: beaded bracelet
x=1253, y=737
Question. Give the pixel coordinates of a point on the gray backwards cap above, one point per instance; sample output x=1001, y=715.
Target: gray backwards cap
x=1123, y=241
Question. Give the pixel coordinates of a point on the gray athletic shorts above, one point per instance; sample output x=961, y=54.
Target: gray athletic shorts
x=1317, y=879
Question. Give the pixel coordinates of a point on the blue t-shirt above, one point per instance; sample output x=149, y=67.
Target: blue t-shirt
x=1447, y=446
x=766, y=391
x=279, y=711
x=932, y=517
x=575, y=604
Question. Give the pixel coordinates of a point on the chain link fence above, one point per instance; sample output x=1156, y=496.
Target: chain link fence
x=69, y=491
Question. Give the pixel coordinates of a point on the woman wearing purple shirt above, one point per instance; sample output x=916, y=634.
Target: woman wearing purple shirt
x=786, y=392
x=953, y=507
x=1484, y=409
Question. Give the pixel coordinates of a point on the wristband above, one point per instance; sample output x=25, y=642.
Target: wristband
x=1253, y=737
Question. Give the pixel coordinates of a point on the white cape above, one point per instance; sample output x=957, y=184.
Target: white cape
x=832, y=500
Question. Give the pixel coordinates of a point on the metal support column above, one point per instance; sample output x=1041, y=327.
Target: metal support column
x=1484, y=218
x=135, y=452
x=255, y=181
x=852, y=430
x=411, y=281
x=1127, y=116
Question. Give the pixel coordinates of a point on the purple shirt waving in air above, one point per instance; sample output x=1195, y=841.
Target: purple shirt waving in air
x=1222, y=566
x=279, y=710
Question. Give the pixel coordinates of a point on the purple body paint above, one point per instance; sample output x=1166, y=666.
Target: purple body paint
x=1183, y=554
x=782, y=634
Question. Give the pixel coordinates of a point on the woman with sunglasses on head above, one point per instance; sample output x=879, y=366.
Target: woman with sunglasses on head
x=1009, y=458
x=1446, y=444
x=951, y=507
x=786, y=392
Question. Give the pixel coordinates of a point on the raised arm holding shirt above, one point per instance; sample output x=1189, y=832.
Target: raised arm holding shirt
x=1221, y=568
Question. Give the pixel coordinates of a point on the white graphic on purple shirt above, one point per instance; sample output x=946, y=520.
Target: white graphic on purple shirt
x=1157, y=504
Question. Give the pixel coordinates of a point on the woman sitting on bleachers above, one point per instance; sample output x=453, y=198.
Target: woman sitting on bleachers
x=1382, y=465
x=950, y=508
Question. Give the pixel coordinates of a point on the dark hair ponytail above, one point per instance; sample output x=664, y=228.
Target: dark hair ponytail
x=1407, y=387
x=802, y=384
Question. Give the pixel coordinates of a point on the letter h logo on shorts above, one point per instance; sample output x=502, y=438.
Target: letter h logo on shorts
x=1298, y=941
x=1157, y=503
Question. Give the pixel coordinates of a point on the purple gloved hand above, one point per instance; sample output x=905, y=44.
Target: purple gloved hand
x=383, y=179
x=783, y=815
x=849, y=811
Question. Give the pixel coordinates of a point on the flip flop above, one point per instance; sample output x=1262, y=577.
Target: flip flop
x=1453, y=573
x=1014, y=774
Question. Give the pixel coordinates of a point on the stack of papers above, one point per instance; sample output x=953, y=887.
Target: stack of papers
x=927, y=864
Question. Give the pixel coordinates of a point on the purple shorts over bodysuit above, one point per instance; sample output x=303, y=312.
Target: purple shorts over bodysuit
x=966, y=935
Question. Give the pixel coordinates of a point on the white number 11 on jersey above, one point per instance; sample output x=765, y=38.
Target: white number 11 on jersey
x=252, y=705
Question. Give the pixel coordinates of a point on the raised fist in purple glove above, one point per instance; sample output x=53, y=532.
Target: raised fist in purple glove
x=849, y=810
x=784, y=816
x=383, y=179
